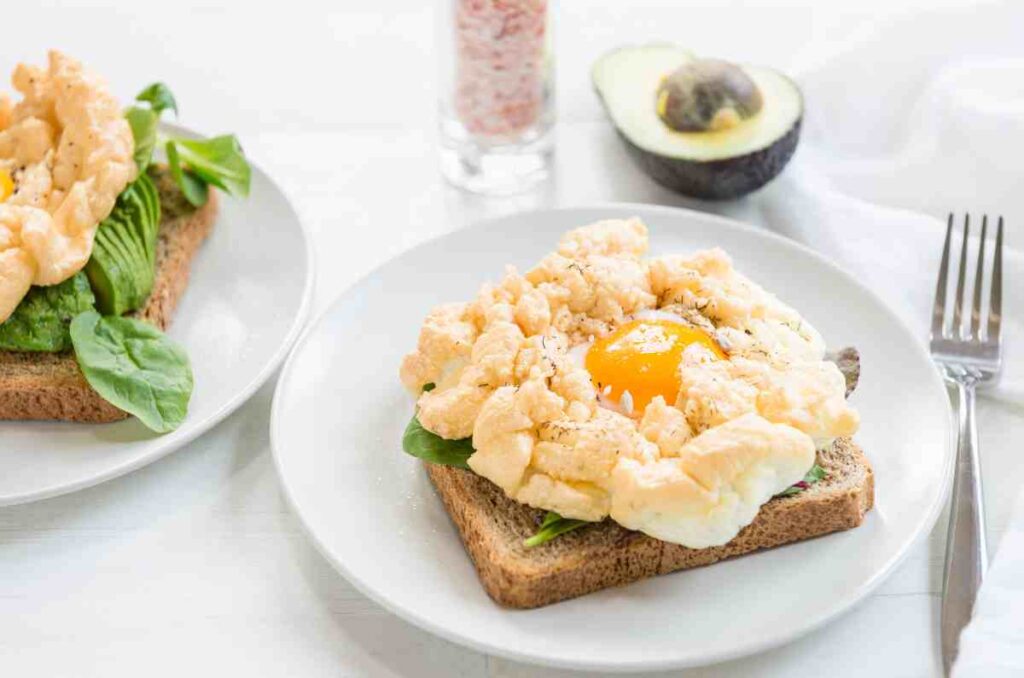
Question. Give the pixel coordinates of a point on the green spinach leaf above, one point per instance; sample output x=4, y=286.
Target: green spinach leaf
x=192, y=187
x=41, y=320
x=195, y=164
x=218, y=161
x=159, y=98
x=144, y=126
x=135, y=367
x=814, y=475
x=419, y=442
x=552, y=526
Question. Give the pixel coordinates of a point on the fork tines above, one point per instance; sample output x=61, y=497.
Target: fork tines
x=959, y=329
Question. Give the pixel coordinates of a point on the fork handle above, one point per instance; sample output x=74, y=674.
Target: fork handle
x=966, y=553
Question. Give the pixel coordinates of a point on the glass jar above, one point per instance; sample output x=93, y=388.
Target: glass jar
x=497, y=93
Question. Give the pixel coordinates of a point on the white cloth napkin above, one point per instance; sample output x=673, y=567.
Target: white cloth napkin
x=923, y=117
x=884, y=159
x=992, y=645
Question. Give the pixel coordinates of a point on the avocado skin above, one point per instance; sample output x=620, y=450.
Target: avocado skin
x=724, y=179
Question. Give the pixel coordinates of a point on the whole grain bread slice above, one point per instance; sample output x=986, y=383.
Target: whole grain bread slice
x=493, y=528
x=50, y=385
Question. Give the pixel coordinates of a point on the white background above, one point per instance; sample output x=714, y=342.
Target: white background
x=195, y=564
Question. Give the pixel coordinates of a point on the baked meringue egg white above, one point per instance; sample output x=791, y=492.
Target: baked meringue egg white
x=65, y=155
x=671, y=394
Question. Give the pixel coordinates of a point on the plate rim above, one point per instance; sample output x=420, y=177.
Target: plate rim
x=168, y=444
x=843, y=603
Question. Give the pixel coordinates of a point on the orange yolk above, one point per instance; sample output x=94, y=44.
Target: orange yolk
x=6, y=186
x=643, y=357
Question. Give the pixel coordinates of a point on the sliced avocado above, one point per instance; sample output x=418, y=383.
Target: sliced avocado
x=151, y=200
x=105, y=277
x=139, y=205
x=705, y=128
x=41, y=320
x=121, y=269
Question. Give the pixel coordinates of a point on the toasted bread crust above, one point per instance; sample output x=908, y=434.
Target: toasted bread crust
x=50, y=385
x=493, y=527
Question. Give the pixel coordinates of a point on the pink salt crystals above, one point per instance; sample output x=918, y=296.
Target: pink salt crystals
x=500, y=78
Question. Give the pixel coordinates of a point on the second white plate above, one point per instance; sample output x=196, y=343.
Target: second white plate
x=339, y=412
x=248, y=296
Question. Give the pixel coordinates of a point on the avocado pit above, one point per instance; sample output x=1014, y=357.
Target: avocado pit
x=708, y=95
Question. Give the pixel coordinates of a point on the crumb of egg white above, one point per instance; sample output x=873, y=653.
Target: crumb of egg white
x=626, y=401
x=560, y=444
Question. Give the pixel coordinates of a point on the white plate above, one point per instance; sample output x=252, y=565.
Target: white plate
x=247, y=298
x=339, y=412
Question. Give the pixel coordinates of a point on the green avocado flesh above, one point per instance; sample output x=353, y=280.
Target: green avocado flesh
x=707, y=163
x=121, y=269
x=117, y=278
x=41, y=320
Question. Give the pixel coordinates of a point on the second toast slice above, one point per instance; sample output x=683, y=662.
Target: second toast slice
x=50, y=385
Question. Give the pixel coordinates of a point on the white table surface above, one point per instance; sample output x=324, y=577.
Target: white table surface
x=195, y=564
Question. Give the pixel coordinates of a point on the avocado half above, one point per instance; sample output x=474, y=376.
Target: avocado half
x=721, y=162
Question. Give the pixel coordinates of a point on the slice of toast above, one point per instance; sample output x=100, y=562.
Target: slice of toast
x=50, y=385
x=591, y=558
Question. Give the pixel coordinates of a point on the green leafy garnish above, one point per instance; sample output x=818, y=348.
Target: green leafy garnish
x=135, y=367
x=195, y=164
x=814, y=475
x=144, y=128
x=41, y=320
x=419, y=442
x=552, y=526
x=218, y=161
x=192, y=187
x=159, y=98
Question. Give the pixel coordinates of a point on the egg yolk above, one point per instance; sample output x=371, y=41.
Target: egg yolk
x=6, y=185
x=642, y=357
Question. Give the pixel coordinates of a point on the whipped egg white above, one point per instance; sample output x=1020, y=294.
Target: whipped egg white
x=672, y=394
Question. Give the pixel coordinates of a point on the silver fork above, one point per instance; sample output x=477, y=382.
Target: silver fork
x=967, y=355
